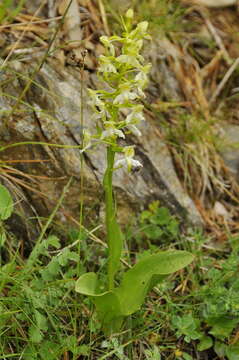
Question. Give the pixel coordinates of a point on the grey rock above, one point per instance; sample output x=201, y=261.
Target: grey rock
x=55, y=113
x=230, y=148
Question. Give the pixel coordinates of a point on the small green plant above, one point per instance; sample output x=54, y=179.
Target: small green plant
x=157, y=225
x=153, y=354
x=6, y=208
x=213, y=321
x=8, y=10
x=194, y=143
x=35, y=298
x=117, y=111
x=164, y=16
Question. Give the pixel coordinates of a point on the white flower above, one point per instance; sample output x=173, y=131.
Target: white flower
x=140, y=92
x=131, y=50
x=143, y=26
x=125, y=94
x=134, y=130
x=129, y=13
x=141, y=78
x=111, y=131
x=95, y=99
x=140, y=31
x=98, y=105
x=135, y=116
x=133, y=119
x=106, y=65
x=107, y=68
x=128, y=161
x=102, y=114
x=107, y=42
x=129, y=60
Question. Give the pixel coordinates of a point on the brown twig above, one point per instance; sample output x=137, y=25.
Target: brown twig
x=224, y=81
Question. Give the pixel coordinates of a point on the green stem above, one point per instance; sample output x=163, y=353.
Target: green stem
x=81, y=164
x=109, y=212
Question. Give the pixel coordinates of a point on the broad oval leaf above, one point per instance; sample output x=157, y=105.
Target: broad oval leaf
x=137, y=281
x=107, y=303
x=87, y=284
x=6, y=203
x=113, y=306
x=108, y=309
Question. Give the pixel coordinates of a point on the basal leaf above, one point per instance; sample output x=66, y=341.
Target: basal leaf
x=137, y=281
x=113, y=306
x=108, y=309
x=107, y=303
x=6, y=203
x=87, y=284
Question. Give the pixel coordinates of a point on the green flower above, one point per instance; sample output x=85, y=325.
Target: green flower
x=95, y=100
x=130, y=60
x=106, y=65
x=136, y=116
x=134, y=130
x=108, y=44
x=125, y=94
x=141, y=78
x=128, y=161
x=111, y=131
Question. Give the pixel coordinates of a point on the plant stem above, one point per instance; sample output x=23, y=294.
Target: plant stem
x=109, y=212
x=81, y=161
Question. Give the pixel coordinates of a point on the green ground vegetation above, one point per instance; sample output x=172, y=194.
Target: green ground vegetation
x=192, y=314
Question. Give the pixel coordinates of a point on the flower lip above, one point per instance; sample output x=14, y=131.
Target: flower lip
x=111, y=131
x=129, y=163
x=134, y=130
x=134, y=117
x=125, y=96
x=106, y=65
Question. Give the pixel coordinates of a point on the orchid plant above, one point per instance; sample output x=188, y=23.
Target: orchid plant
x=117, y=112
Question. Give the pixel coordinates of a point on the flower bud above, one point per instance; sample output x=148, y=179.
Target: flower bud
x=130, y=14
